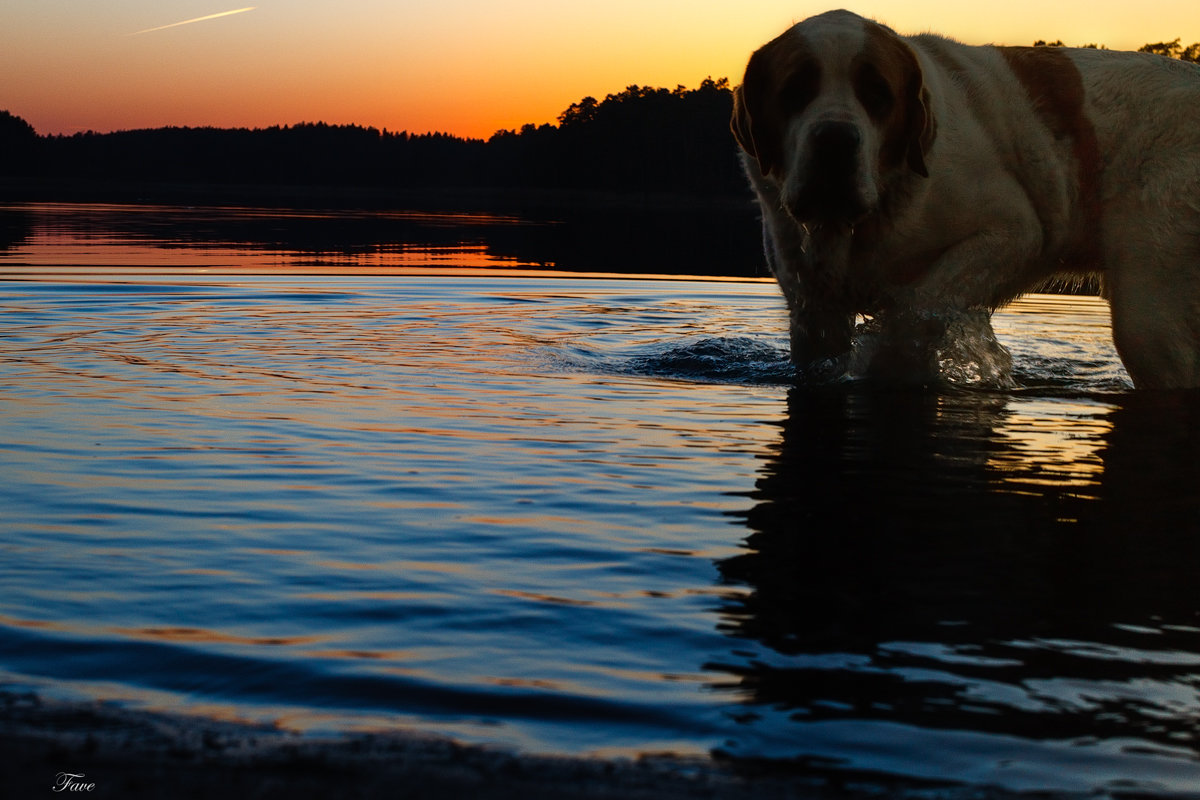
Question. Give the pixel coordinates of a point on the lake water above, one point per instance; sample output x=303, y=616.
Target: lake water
x=416, y=484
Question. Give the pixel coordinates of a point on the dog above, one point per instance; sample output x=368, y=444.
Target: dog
x=915, y=179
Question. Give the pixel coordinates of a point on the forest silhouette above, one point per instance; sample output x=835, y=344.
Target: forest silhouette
x=641, y=139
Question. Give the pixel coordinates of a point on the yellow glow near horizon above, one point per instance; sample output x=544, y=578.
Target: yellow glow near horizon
x=467, y=67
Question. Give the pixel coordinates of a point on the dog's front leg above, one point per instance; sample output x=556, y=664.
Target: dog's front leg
x=821, y=341
x=939, y=314
x=820, y=326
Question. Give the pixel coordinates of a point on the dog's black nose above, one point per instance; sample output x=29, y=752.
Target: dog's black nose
x=829, y=186
x=837, y=141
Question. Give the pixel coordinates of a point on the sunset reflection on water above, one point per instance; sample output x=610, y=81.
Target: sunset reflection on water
x=587, y=515
x=1067, y=456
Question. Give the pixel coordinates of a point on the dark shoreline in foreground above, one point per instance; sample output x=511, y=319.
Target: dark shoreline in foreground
x=137, y=754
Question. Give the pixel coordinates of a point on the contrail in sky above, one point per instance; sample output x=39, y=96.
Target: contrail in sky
x=197, y=19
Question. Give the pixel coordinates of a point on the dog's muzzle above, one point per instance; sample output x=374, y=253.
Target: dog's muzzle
x=829, y=189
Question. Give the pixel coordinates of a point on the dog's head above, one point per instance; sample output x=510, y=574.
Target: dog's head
x=833, y=110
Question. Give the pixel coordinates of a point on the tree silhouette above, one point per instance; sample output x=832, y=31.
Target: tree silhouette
x=642, y=139
x=18, y=145
x=1173, y=50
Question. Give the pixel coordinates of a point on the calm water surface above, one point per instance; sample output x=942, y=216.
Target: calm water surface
x=577, y=514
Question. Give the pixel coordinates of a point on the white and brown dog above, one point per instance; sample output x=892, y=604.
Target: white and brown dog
x=916, y=177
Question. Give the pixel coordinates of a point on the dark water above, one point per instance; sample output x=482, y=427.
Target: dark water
x=595, y=234
x=573, y=514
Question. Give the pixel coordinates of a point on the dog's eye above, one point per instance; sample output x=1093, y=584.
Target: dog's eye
x=873, y=92
x=800, y=88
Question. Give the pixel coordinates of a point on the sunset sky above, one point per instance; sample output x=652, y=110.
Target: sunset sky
x=467, y=67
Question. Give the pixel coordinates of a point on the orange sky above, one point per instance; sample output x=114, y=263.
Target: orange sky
x=468, y=67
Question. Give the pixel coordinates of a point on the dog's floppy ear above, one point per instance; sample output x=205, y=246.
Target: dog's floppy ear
x=921, y=121
x=748, y=124
x=741, y=123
